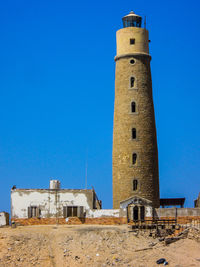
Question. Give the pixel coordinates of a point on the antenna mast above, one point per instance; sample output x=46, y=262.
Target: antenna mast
x=145, y=22
x=86, y=167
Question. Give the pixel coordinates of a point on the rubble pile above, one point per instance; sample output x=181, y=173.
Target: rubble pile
x=193, y=233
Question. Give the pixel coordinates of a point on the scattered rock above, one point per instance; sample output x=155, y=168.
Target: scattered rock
x=152, y=244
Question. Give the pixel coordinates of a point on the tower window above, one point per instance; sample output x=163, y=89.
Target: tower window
x=132, y=61
x=133, y=133
x=132, y=41
x=133, y=107
x=135, y=184
x=132, y=82
x=134, y=158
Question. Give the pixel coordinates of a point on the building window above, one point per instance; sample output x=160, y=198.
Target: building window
x=132, y=82
x=133, y=107
x=72, y=211
x=134, y=158
x=135, y=184
x=133, y=133
x=132, y=41
x=34, y=212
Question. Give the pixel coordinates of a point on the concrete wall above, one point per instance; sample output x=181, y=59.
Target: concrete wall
x=173, y=212
x=50, y=202
x=103, y=213
x=4, y=218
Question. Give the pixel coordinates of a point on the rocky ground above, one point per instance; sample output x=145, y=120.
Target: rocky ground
x=88, y=245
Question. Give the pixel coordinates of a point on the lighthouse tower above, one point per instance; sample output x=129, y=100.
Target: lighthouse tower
x=135, y=156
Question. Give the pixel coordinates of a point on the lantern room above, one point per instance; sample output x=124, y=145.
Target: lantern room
x=132, y=20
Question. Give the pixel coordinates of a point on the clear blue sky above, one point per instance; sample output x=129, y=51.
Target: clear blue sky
x=57, y=93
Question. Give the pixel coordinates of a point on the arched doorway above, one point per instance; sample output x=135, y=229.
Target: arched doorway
x=135, y=213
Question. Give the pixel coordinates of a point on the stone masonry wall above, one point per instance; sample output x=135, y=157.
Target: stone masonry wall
x=145, y=145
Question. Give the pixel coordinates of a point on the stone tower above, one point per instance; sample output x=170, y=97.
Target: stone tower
x=135, y=155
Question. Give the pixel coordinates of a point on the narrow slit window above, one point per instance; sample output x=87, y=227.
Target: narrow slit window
x=133, y=107
x=135, y=184
x=133, y=133
x=132, y=82
x=134, y=158
x=132, y=41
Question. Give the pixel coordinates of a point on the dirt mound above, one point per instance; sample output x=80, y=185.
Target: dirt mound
x=83, y=245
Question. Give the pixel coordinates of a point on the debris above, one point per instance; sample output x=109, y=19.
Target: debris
x=184, y=233
x=137, y=250
x=13, y=225
x=152, y=244
x=171, y=240
x=160, y=261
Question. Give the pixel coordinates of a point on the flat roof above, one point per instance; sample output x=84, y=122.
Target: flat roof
x=172, y=201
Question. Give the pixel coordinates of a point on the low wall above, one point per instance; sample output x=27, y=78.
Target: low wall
x=183, y=219
x=176, y=212
x=100, y=221
x=71, y=220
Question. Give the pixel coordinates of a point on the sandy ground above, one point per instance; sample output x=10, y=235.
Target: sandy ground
x=88, y=245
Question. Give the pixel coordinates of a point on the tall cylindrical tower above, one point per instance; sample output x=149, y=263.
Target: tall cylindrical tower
x=135, y=156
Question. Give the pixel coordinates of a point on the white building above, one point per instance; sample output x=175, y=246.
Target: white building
x=4, y=218
x=53, y=202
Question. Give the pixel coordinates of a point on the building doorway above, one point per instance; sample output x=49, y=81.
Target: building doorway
x=138, y=213
x=142, y=213
x=135, y=213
